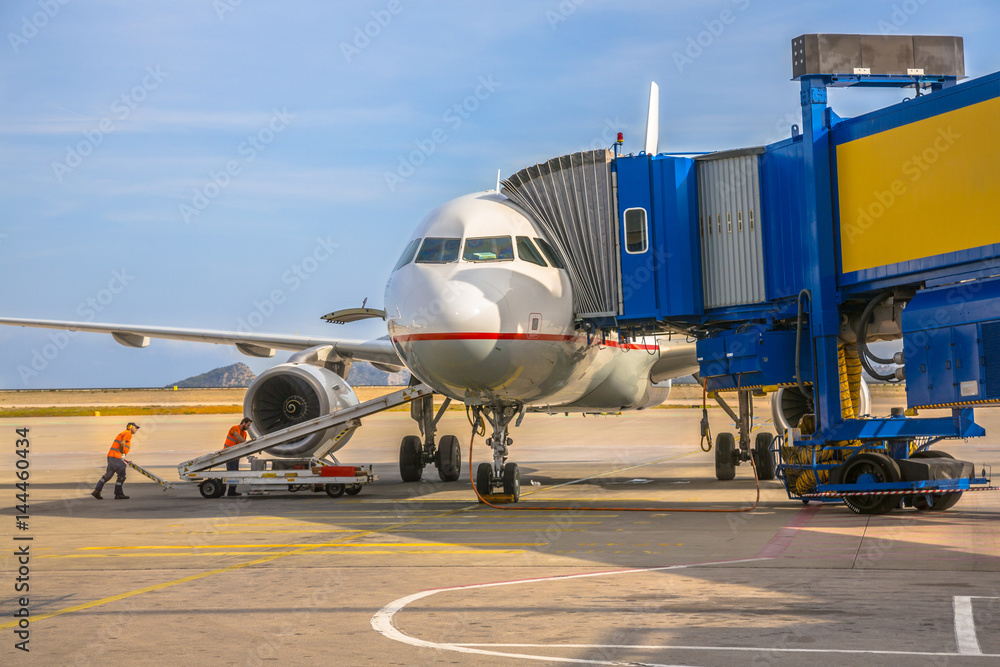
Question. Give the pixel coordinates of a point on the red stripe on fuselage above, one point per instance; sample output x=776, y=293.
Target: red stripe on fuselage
x=488, y=335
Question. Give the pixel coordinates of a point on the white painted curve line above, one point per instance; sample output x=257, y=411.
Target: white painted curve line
x=965, y=627
x=382, y=620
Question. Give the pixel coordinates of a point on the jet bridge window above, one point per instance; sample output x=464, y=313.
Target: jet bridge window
x=555, y=259
x=636, y=231
x=439, y=251
x=488, y=249
x=526, y=250
x=408, y=254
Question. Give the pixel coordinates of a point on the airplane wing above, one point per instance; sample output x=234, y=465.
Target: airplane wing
x=251, y=344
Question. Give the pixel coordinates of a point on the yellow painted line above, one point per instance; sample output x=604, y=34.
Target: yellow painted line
x=311, y=552
x=326, y=544
x=193, y=577
x=480, y=521
x=359, y=531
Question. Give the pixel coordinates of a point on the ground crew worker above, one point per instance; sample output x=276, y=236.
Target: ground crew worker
x=116, y=466
x=237, y=434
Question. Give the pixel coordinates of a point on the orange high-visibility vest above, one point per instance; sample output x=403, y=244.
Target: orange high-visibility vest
x=234, y=433
x=121, y=445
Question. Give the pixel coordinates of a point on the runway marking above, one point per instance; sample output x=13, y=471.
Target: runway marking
x=325, y=544
x=485, y=521
x=360, y=530
x=965, y=625
x=784, y=537
x=382, y=622
x=202, y=575
x=311, y=552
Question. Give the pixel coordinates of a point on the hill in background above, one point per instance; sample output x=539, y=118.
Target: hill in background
x=362, y=374
x=237, y=375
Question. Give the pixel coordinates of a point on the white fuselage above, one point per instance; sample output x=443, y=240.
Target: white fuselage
x=495, y=327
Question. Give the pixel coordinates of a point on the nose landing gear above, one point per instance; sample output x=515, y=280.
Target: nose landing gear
x=499, y=474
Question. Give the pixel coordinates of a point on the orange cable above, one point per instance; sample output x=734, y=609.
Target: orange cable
x=608, y=509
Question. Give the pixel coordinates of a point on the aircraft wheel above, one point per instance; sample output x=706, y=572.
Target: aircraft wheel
x=212, y=488
x=871, y=468
x=335, y=490
x=449, y=459
x=484, y=478
x=512, y=481
x=941, y=501
x=762, y=457
x=411, y=467
x=725, y=453
x=353, y=489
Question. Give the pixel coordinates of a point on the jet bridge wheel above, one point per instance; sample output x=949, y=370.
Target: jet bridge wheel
x=212, y=488
x=762, y=457
x=449, y=459
x=871, y=468
x=942, y=501
x=725, y=456
x=411, y=466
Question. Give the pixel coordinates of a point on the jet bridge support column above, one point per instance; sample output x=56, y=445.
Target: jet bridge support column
x=819, y=255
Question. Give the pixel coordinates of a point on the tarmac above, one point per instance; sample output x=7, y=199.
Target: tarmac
x=420, y=573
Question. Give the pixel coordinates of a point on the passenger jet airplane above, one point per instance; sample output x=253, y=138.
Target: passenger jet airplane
x=479, y=308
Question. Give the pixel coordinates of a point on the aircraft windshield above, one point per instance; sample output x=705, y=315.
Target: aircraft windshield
x=407, y=256
x=439, y=251
x=489, y=249
x=550, y=253
x=526, y=251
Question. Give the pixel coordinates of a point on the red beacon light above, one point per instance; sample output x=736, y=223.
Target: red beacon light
x=621, y=139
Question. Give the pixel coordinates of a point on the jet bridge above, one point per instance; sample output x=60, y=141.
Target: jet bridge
x=786, y=260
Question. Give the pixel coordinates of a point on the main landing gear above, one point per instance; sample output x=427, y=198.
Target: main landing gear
x=728, y=454
x=414, y=454
x=499, y=474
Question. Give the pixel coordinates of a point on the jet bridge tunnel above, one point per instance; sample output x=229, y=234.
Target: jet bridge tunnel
x=882, y=226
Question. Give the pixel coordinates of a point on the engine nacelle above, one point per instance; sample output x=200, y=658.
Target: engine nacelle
x=788, y=405
x=288, y=394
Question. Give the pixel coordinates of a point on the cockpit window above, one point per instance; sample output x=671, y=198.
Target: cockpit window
x=526, y=251
x=550, y=253
x=439, y=251
x=489, y=249
x=407, y=256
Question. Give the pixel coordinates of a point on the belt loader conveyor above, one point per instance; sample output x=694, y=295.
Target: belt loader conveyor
x=291, y=473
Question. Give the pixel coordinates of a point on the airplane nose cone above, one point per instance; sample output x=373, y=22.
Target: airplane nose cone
x=446, y=332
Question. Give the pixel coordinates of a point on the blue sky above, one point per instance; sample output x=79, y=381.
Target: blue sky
x=186, y=163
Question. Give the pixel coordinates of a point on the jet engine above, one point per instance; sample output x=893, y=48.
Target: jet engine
x=288, y=394
x=788, y=405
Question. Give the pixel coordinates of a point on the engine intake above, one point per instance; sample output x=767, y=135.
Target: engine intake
x=289, y=394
